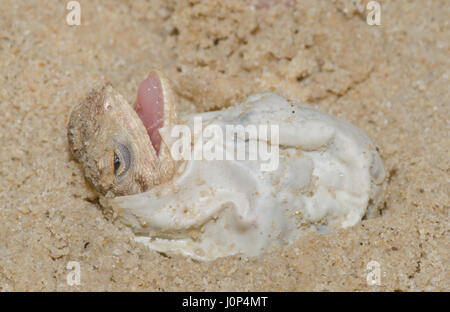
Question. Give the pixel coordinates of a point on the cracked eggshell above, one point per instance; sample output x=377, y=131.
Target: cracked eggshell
x=329, y=176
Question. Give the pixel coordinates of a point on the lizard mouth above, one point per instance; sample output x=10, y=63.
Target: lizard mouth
x=150, y=107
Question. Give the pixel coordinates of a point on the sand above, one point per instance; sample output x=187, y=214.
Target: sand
x=391, y=80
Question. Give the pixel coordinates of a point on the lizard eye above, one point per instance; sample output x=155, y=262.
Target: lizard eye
x=122, y=160
x=116, y=163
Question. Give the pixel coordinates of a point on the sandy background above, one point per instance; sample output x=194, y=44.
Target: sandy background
x=390, y=80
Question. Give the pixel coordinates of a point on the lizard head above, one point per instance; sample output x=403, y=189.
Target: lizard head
x=120, y=149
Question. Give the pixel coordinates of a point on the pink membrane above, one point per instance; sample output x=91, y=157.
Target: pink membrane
x=150, y=107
